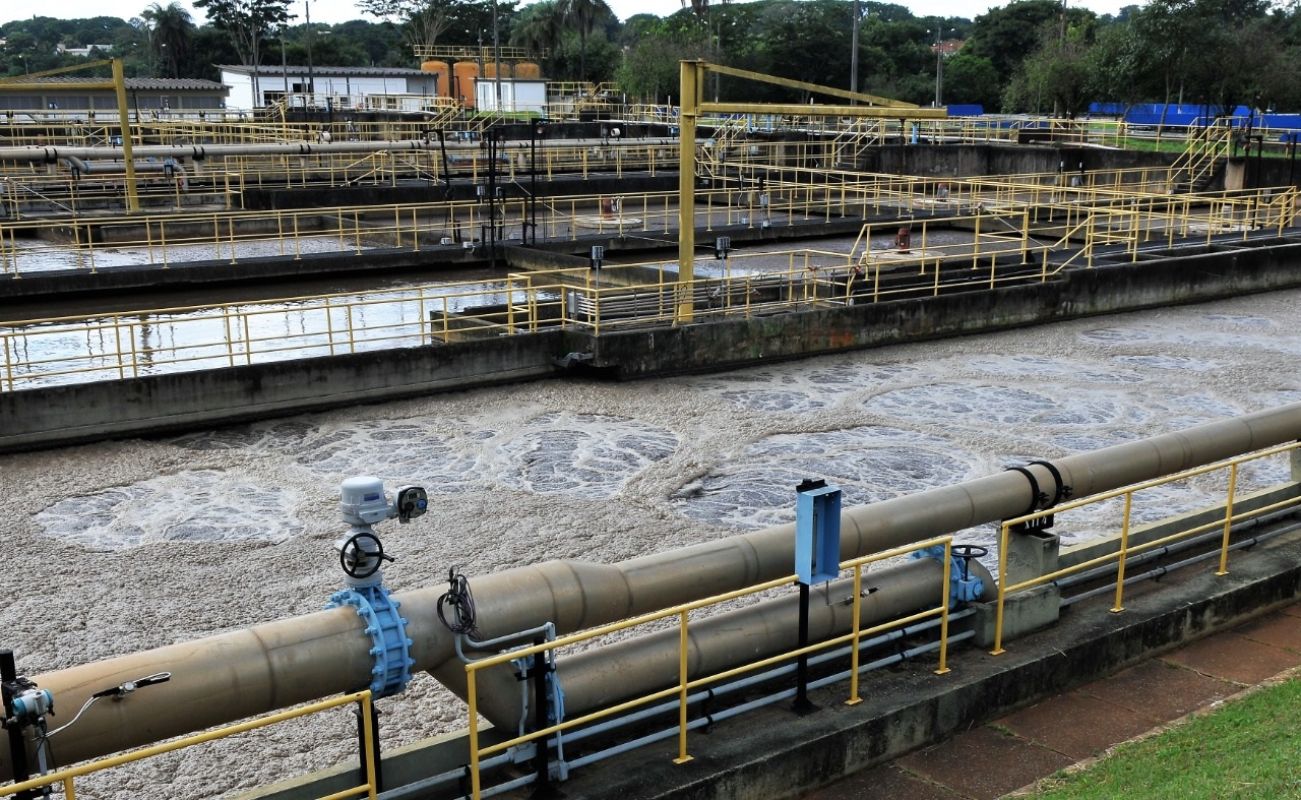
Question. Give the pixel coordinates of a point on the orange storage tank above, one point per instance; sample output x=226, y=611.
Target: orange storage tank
x=528, y=70
x=443, y=82
x=464, y=75
x=490, y=70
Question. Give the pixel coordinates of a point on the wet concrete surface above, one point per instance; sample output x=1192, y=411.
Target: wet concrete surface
x=1020, y=748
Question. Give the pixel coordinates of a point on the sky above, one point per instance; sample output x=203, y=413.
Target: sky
x=333, y=11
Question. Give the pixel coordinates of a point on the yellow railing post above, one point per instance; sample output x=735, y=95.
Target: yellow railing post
x=368, y=745
x=683, y=679
x=472, y=699
x=1228, y=521
x=1002, y=592
x=945, y=593
x=1119, y=605
x=854, y=699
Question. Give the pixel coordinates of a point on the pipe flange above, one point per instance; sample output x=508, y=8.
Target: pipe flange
x=387, y=629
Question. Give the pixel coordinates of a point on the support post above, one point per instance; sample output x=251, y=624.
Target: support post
x=128, y=158
x=802, y=703
x=690, y=74
x=542, y=787
x=369, y=728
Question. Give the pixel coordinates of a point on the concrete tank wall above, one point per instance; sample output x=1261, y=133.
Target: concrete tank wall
x=65, y=414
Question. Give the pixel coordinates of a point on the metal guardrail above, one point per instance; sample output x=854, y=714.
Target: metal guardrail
x=66, y=777
x=27, y=243
x=686, y=683
x=1124, y=548
x=1003, y=247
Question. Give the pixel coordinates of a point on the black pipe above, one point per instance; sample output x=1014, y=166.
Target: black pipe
x=541, y=767
x=447, y=171
x=17, y=742
x=533, y=184
x=1291, y=164
x=802, y=704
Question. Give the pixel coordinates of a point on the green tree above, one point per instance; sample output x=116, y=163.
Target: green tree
x=1007, y=35
x=650, y=66
x=246, y=21
x=421, y=21
x=971, y=79
x=1119, y=66
x=583, y=16
x=539, y=28
x=170, y=32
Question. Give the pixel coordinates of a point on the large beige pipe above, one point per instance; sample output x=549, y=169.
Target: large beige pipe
x=260, y=669
x=51, y=154
x=601, y=677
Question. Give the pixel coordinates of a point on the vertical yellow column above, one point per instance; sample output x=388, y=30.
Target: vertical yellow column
x=119, y=88
x=690, y=71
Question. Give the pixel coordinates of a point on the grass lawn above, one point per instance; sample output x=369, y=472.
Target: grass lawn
x=1248, y=750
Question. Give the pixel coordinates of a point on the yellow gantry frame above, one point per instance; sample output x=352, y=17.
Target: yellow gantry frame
x=693, y=105
x=117, y=84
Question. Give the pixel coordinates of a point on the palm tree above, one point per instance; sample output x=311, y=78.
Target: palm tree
x=583, y=15
x=170, y=30
x=539, y=27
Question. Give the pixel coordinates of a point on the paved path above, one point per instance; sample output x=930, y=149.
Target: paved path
x=1072, y=726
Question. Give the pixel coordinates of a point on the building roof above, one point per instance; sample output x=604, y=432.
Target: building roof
x=139, y=84
x=324, y=71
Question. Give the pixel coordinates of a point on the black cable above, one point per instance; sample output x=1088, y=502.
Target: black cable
x=459, y=598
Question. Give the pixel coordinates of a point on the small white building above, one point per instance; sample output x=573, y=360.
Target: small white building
x=517, y=94
x=338, y=87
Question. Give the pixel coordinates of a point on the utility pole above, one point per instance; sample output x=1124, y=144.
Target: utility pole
x=853, y=54
x=496, y=55
x=284, y=64
x=311, y=74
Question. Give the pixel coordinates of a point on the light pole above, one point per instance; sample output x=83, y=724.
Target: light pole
x=284, y=65
x=311, y=74
x=853, y=54
x=939, y=61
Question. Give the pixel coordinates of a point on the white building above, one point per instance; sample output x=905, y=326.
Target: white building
x=517, y=94
x=337, y=87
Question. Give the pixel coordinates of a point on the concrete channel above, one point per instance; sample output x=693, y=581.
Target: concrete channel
x=771, y=752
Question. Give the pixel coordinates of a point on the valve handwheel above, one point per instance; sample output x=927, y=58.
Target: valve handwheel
x=966, y=552
x=353, y=545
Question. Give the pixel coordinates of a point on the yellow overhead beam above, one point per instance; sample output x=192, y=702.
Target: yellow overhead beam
x=801, y=110
x=52, y=72
x=116, y=84
x=790, y=83
x=693, y=78
x=45, y=87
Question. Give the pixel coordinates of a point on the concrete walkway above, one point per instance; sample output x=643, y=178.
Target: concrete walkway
x=1036, y=741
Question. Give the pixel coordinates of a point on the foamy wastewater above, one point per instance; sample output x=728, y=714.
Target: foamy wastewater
x=195, y=506
x=756, y=488
x=800, y=389
x=983, y=404
x=1220, y=332
x=560, y=452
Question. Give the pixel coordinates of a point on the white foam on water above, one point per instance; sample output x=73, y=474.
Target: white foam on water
x=197, y=506
x=594, y=470
x=756, y=488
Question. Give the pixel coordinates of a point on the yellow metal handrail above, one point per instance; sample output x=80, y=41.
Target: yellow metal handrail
x=1124, y=548
x=685, y=682
x=368, y=789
